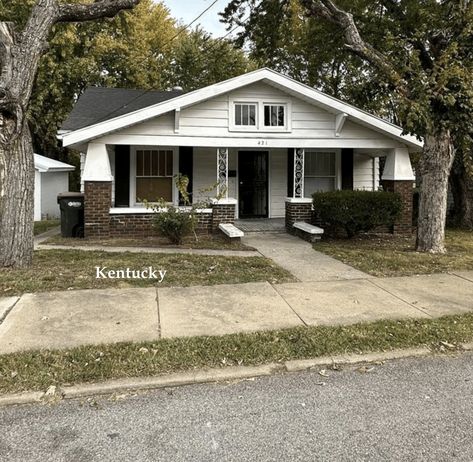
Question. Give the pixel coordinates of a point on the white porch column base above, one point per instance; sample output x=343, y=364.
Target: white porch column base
x=97, y=163
x=226, y=201
x=398, y=166
x=299, y=200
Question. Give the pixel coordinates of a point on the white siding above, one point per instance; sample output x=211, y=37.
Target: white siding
x=211, y=119
x=37, y=196
x=365, y=172
x=51, y=185
x=204, y=172
x=278, y=182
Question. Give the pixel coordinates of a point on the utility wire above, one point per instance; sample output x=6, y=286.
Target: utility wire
x=190, y=24
x=145, y=92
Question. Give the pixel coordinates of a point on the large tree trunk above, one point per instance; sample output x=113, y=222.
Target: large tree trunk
x=461, y=186
x=435, y=166
x=16, y=202
x=20, y=53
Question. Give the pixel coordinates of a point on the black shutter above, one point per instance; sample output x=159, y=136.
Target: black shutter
x=186, y=167
x=290, y=172
x=347, y=169
x=122, y=176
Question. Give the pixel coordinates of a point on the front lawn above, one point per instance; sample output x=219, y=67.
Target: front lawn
x=214, y=242
x=42, y=226
x=75, y=269
x=387, y=255
x=37, y=370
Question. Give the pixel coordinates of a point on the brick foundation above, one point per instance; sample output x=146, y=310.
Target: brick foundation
x=297, y=211
x=141, y=225
x=222, y=213
x=97, y=202
x=405, y=190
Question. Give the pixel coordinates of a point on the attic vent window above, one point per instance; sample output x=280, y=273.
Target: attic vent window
x=274, y=115
x=245, y=115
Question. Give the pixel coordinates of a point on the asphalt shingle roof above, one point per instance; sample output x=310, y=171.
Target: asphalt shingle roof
x=98, y=104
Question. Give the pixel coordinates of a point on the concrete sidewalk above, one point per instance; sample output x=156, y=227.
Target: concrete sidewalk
x=73, y=318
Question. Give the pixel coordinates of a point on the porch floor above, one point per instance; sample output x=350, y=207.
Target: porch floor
x=262, y=225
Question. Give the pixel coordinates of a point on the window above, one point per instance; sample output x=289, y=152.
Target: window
x=319, y=172
x=245, y=115
x=154, y=175
x=274, y=115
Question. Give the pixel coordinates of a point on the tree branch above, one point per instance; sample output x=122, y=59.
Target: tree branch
x=7, y=40
x=327, y=10
x=100, y=9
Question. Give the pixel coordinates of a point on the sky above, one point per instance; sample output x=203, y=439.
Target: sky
x=188, y=10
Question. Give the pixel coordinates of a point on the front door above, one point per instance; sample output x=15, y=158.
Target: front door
x=253, y=184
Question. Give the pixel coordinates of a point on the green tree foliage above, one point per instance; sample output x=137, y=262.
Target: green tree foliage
x=141, y=48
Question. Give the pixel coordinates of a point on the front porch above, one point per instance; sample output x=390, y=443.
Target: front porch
x=265, y=189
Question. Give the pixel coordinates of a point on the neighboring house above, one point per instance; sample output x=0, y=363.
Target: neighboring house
x=268, y=142
x=51, y=178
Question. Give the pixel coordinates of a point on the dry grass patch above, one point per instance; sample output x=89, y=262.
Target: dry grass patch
x=41, y=227
x=37, y=370
x=75, y=269
x=387, y=255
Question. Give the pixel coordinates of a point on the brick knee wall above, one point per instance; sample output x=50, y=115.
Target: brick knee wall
x=297, y=212
x=141, y=225
x=222, y=213
x=97, y=203
x=404, y=188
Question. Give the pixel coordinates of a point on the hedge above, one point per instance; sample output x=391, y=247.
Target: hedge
x=356, y=211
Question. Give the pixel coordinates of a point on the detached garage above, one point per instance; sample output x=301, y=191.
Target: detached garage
x=51, y=178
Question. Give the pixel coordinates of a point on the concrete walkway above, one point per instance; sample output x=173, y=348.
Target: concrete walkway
x=299, y=258
x=73, y=318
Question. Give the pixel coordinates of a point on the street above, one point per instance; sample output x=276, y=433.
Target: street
x=407, y=410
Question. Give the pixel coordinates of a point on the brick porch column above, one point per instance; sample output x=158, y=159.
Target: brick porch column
x=223, y=211
x=298, y=207
x=97, y=178
x=398, y=177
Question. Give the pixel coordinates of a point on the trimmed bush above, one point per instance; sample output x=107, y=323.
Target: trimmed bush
x=356, y=211
x=173, y=223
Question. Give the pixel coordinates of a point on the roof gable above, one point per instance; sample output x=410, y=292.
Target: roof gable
x=268, y=76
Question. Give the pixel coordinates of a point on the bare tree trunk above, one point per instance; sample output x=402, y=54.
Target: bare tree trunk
x=20, y=53
x=16, y=203
x=461, y=186
x=435, y=165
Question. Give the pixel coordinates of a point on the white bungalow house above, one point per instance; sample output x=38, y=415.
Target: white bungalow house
x=51, y=178
x=268, y=141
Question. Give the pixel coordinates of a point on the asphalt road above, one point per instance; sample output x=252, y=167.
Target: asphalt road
x=409, y=410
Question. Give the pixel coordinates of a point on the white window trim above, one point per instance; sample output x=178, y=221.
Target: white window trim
x=175, y=171
x=338, y=166
x=260, y=103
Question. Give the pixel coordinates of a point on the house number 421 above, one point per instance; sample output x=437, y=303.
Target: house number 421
x=262, y=142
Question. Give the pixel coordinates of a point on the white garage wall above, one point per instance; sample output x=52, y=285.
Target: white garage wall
x=37, y=196
x=51, y=185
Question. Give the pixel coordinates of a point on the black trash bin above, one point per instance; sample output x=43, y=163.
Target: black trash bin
x=72, y=214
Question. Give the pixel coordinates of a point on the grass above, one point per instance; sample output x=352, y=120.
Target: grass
x=75, y=269
x=204, y=242
x=41, y=227
x=387, y=255
x=37, y=370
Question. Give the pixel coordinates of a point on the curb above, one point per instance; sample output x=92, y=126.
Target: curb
x=214, y=375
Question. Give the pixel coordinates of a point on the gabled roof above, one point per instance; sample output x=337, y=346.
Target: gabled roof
x=98, y=104
x=269, y=76
x=45, y=165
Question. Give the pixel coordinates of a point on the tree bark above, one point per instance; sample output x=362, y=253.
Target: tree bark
x=435, y=166
x=20, y=53
x=461, y=186
x=16, y=204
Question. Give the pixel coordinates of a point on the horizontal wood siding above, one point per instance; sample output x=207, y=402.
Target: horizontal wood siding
x=365, y=173
x=278, y=182
x=211, y=119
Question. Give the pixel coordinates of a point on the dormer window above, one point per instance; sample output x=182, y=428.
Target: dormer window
x=245, y=114
x=274, y=115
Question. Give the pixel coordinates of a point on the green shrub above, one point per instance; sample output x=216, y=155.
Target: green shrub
x=173, y=223
x=356, y=211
